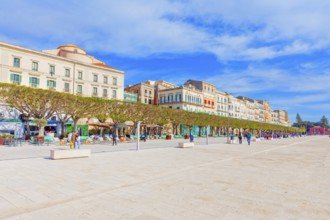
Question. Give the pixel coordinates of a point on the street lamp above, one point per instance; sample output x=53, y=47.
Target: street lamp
x=228, y=127
x=138, y=135
x=207, y=135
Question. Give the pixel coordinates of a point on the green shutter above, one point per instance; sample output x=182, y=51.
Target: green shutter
x=11, y=77
x=19, y=78
x=30, y=80
x=47, y=83
x=38, y=81
x=54, y=84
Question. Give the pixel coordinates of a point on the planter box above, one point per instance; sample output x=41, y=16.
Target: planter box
x=2, y=141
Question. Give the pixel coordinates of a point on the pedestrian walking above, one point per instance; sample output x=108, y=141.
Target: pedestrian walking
x=248, y=138
x=114, y=139
x=240, y=137
x=77, y=141
x=191, y=138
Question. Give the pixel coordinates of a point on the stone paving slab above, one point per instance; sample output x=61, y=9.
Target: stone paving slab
x=278, y=179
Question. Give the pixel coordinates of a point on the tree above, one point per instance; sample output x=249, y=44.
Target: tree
x=324, y=122
x=298, y=119
x=37, y=103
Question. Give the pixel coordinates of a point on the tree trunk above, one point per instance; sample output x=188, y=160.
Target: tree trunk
x=41, y=130
x=62, y=127
x=75, y=125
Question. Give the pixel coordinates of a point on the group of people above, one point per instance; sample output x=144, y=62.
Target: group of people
x=246, y=135
x=74, y=140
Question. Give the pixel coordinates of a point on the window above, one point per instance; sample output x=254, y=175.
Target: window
x=95, y=78
x=150, y=101
x=94, y=90
x=114, y=94
x=15, y=78
x=66, y=87
x=17, y=62
x=145, y=101
x=105, y=80
x=80, y=75
x=52, y=70
x=145, y=92
x=149, y=93
x=162, y=99
x=105, y=92
x=67, y=72
x=114, y=81
x=170, y=98
x=34, y=82
x=51, y=84
x=178, y=97
x=79, y=89
x=35, y=66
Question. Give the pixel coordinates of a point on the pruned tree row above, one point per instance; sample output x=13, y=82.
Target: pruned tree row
x=41, y=104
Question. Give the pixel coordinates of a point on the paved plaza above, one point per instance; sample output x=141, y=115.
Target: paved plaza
x=270, y=179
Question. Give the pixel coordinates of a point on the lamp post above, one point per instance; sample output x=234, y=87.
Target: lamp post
x=227, y=127
x=138, y=135
x=207, y=135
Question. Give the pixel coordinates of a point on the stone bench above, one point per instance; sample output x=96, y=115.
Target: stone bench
x=186, y=144
x=231, y=142
x=66, y=154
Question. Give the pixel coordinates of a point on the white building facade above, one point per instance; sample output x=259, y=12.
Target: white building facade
x=66, y=69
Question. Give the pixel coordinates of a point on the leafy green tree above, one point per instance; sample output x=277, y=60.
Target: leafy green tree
x=324, y=122
x=298, y=119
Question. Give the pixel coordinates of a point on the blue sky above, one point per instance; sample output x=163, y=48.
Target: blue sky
x=263, y=49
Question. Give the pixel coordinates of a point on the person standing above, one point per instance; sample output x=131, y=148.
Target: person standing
x=248, y=138
x=73, y=139
x=240, y=137
x=191, y=138
x=114, y=139
x=77, y=141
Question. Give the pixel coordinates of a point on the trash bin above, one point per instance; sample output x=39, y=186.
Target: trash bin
x=232, y=137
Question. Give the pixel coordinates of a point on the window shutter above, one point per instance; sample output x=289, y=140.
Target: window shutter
x=20, y=78
x=47, y=83
x=30, y=80
x=54, y=83
x=11, y=77
x=38, y=81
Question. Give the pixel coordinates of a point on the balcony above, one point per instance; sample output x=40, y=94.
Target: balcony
x=79, y=93
x=17, y=82
x=52, y=88
x=94, y=94
x=105, y=96
x=66, y=90
x=34, y=85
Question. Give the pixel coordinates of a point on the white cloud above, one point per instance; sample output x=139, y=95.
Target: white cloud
x=249, y=30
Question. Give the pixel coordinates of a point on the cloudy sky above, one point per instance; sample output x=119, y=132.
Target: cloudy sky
x=262, y=49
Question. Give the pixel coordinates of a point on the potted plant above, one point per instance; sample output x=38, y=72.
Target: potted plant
x=5, y=137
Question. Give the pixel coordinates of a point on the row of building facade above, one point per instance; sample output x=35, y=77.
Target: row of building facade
x=199, y=96
x=71, y=70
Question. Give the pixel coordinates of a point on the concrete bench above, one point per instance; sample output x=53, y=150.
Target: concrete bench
x=66, y=154
x=255, y=139
x=186, y=144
